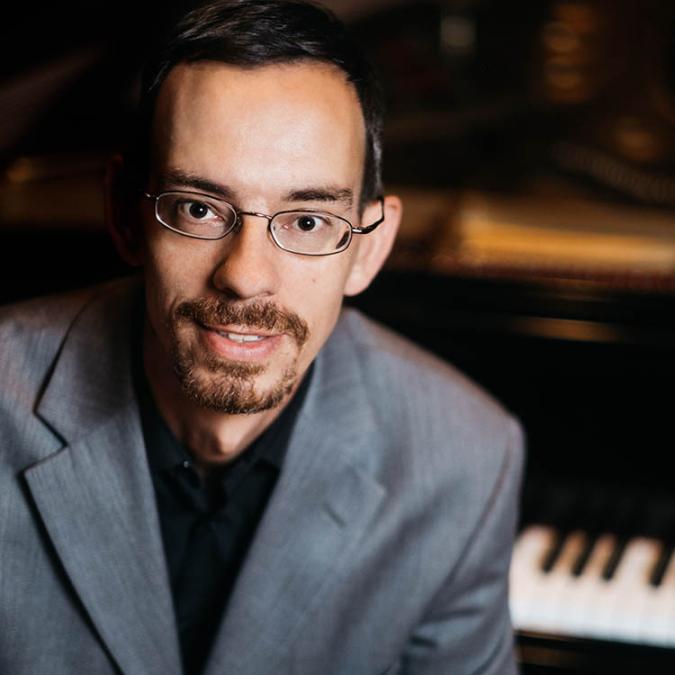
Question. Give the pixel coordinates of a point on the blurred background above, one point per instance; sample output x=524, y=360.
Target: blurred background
x=534, y=146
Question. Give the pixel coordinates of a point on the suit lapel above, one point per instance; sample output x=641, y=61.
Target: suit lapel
x=95, y=495
x=320, y=509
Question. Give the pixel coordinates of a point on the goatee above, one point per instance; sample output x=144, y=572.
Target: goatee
x=230, y=386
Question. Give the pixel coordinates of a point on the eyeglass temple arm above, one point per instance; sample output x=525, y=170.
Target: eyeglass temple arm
x=370, y=228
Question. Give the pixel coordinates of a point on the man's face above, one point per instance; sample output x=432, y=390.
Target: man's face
x=238, y=319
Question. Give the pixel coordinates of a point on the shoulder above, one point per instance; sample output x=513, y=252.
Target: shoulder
x=440, y=428
x=409, y=376
x=32, y=333
x=41, y=323
x=41, y=316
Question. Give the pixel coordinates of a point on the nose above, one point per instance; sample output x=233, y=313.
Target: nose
x=249, y=264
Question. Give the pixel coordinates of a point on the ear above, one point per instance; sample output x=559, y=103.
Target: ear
x=121, y=214
x=374, y=247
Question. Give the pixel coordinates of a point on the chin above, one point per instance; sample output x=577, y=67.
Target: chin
x=235, y=393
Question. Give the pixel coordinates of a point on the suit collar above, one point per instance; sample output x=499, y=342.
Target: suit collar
x=95, y=495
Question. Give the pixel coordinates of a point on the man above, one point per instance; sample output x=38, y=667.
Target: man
x=219, y=471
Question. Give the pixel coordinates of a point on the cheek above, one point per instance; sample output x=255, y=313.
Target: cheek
x=319, y=302
x=171, y=275
x=161, y=284
x=176, y=266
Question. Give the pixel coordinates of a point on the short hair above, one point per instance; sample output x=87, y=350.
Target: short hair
x=253, y=33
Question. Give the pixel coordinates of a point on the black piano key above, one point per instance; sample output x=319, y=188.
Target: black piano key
x=657, y=574
x=627, y=520
x=580, y=563
x=565, y=506
x=552, y=505
x=594, y=521
x=614, y=559
x=553, y=553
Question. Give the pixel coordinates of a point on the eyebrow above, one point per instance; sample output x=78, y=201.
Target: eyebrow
x=327, y=194
x=176, y=178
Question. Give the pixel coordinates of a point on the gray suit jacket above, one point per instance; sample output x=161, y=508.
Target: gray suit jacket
x=384, y=547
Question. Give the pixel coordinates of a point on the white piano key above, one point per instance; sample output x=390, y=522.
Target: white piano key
x=586, y=593
x=528, y=555
x=658, y=626
x=601, y=608
x=631, y=597
x=552, y=609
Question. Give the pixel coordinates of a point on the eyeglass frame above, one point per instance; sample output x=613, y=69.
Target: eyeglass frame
x=238, y=222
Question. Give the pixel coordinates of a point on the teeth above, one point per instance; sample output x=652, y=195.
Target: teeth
x=236, y=337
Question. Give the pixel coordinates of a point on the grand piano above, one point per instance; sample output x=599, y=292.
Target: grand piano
x=589, y=370
x=537, y=254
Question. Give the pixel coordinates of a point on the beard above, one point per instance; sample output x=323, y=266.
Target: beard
x=222, y=385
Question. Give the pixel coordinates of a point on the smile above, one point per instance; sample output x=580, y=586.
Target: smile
x=238, y=345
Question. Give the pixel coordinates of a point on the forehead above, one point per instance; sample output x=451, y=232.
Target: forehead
x=260, y=126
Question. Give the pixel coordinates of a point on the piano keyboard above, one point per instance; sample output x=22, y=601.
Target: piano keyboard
x=599, y=586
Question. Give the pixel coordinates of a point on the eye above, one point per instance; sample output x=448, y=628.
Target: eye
x=196, y=210
x=309, y=222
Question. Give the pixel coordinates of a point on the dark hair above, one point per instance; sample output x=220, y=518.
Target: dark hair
x=250, y=33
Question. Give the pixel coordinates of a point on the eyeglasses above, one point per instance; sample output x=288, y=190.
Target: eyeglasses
x=201, y=216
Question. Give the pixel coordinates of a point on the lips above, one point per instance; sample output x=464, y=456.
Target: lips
x=240, y=334
x=239, y=345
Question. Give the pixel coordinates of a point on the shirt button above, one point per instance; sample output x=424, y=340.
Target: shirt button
x=186, y=464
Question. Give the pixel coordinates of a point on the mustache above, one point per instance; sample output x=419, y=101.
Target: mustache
x=265, y=315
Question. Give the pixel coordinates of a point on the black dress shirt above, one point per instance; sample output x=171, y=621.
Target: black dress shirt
x=208, y=523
